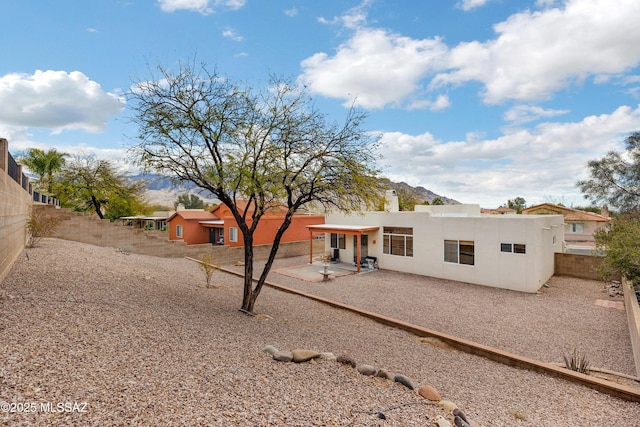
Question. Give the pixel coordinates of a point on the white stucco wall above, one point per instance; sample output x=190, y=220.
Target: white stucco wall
x=521, y=272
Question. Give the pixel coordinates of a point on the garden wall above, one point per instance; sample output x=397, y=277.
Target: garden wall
x=633, y=318
x=101, y=232
x=15, y=202
x=581, y=266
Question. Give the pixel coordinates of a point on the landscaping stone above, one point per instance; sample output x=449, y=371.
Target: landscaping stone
x=459, y=422
x=367, y=370
x=270, y=349
x=327, y=356
x=346, y=360
x=382, y=373
x=429, y=393
x=283, y=356
x=447, y=405
x=442, y=421
x=404, y=381
x=458, y=412
x=300, y=356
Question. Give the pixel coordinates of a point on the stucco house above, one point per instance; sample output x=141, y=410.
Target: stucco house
x=579, y=226
x=454, y=242
x=219, y=227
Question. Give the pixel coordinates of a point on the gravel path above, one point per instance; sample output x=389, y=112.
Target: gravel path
x=141, y=342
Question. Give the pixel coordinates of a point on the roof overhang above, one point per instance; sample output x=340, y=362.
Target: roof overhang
x=212, y=223
x=342, y=228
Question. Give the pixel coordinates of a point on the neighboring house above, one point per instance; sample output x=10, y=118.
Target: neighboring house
x=219, y=227
x=454, y=242
x=187, y=225
x=500, y=211
x=155, y=221
x=579, y=226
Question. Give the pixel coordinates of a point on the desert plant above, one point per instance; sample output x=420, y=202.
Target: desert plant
x=207, y=265
x=40, y=223
x=576, y=362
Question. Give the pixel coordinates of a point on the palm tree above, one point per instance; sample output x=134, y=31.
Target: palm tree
x=44, y=164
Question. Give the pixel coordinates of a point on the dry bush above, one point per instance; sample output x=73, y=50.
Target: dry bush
x=208, y=267
x=41, y=223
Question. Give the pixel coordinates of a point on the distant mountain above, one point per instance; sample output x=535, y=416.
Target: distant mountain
x=420, y=193
x=163, y=191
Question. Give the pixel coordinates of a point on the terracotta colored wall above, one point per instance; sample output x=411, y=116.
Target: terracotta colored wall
x=192, y=232
x=269, y=224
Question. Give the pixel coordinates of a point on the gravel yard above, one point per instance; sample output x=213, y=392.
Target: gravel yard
x=140, y=341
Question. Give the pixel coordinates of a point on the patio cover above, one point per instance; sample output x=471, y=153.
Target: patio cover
x=353, y=230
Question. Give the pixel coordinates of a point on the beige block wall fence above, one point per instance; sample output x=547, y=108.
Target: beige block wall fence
x=101, y=232
x=14, y=211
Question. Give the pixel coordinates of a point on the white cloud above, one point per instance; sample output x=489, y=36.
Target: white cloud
x=528, y=113
x=204, y=7
x=231, y=34
x=291, y=12
x=375, y=67
x=56, y=100
x=354, y=18
x=547, y=159
x=468, y=5
x=538, y=53
x=535, y=54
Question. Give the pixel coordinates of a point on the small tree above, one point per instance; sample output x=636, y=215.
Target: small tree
x=87, y=183
x=517, y=204
x=620, y=242
x=208, y=267
x=437, y=201
x=40, y=223
x=255, y=151
x=189, y=201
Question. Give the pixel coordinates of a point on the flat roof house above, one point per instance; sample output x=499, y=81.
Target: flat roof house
x=454, y=242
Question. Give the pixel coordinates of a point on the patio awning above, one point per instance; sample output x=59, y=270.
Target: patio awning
x=354, y=230
x=212, y=224
x=342, y=228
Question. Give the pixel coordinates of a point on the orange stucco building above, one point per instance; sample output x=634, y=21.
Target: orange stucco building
x=219, y=227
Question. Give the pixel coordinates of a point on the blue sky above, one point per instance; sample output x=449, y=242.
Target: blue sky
x=478, y=100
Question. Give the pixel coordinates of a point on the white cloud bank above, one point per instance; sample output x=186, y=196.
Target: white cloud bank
x=56, y=100
x=204, y=7
x=534, y=54
x=546, y=160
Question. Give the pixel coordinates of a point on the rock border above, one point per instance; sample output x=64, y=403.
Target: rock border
x=426, y=391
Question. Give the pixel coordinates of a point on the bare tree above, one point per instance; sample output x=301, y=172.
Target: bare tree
x=264, y=149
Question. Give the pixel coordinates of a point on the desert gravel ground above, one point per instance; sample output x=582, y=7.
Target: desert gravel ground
x=142, y=342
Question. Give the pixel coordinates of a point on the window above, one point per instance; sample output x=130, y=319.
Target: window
x=575, y=227
x=515, y=248
x=179, y=231
x=338, y=241
x=398, y=241
x=459, y=251
x=233, y=234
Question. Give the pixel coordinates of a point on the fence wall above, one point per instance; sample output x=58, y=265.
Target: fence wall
x=101, y=232
x=581, y=266
x=15, y=202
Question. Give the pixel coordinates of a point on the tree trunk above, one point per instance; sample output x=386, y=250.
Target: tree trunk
x=251, y=293
x=248, y=298
x=96, y=204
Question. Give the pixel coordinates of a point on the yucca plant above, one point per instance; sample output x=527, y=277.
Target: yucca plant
x=577, y=362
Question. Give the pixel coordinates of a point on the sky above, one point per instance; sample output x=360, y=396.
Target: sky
x=480, y=101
